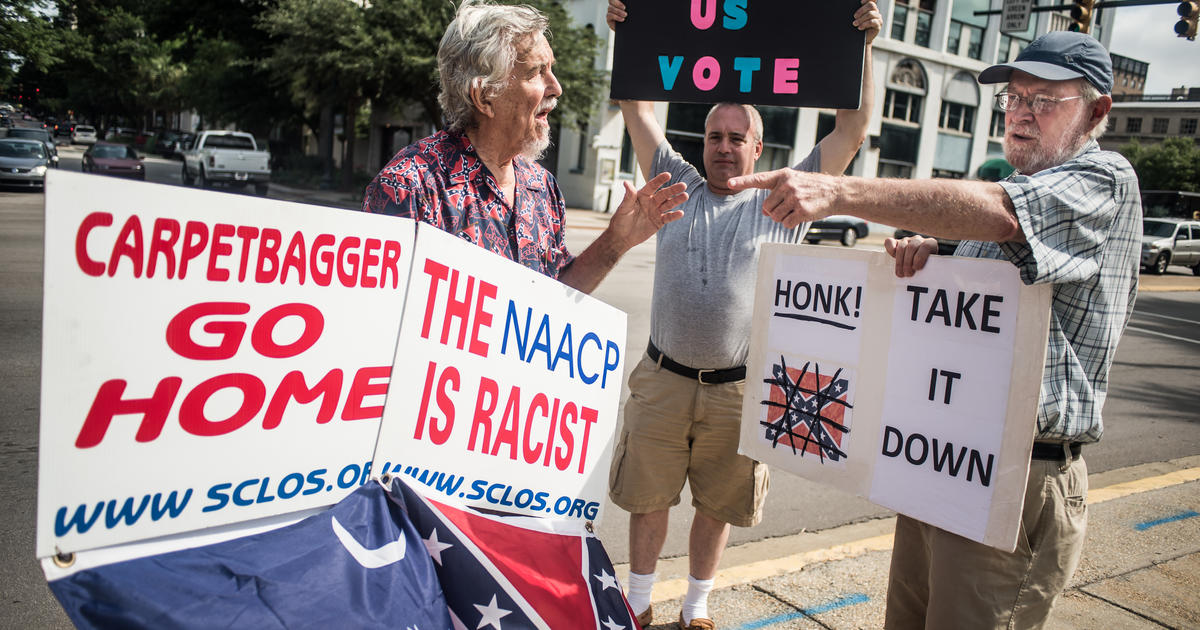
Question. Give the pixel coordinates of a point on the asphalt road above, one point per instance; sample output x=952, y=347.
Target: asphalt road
x=1151, y=413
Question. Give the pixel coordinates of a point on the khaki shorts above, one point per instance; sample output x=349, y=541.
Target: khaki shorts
x=677, y=429
x=941, y=580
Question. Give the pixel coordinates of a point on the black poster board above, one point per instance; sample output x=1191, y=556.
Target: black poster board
x=800, y=53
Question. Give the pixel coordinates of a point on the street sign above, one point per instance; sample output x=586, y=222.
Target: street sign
x=1015, y=17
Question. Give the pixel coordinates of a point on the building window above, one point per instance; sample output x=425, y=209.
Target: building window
x=1187, y=127
x=581, y=154
x=1112, y=124
x=1160, y=125
x=996, y=129
x=957, y=117
x=924, y=27
x=902, y=106
x=944, y=174
x=973, y=35
x=1133, y=125
x=899, y=22
x=628, y=160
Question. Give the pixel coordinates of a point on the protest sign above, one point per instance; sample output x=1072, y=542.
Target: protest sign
x=505, y=388
x=207, y=358
x=800, y=54
x=918, y=393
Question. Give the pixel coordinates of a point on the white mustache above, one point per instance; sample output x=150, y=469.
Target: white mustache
x=547, y=106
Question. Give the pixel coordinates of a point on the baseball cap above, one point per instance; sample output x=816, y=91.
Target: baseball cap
x=1059, y=56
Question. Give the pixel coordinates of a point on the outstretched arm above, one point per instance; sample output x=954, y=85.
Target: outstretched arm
x=838, y=148
x=979, y=211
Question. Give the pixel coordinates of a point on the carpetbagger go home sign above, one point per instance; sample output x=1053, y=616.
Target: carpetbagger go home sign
x=803, y=53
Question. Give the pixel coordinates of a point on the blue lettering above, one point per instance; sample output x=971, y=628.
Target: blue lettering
x=284, y=492
x=168, y=507
x=79, y=519
x=217, y=493
x=565, y=342
x=126, y=513
x=735, y=15
x=512, y=323
x=669, y=70
x=237, y=493
x=746, y=67
x=588, y=379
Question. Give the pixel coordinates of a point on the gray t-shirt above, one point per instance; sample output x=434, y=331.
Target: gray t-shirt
x=705, y=268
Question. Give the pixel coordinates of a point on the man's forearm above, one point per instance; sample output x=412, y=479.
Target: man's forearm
x=592, y=265
x=979, y=211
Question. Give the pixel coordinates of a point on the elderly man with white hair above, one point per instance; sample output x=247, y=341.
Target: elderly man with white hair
x=479, y=178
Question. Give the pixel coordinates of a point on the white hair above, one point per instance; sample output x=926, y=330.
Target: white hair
x=1090, y=95
x=478, y=51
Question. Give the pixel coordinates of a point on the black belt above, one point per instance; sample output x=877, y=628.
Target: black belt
x=1053, y=451
x=706, y=377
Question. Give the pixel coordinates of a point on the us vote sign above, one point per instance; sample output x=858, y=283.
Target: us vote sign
x=506, y=385
x=207, y=358
x=804, y=53
x=918, y=393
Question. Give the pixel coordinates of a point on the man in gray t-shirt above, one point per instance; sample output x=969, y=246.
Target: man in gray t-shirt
x=682, y=419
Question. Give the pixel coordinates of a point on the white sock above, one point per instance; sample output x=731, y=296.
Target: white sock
x=696, y=602
x=639, y=591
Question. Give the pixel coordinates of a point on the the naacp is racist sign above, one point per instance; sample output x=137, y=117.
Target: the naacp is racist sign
x=505, y=388
x=207, y=358
x=918, y=393
x=799, y=53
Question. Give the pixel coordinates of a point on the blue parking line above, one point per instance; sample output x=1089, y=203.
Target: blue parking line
x=849, y=600
x=1170, y=519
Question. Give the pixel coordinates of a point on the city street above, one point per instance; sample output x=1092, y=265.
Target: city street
x=1151, y=415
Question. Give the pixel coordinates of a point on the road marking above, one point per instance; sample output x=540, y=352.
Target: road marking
x=1141, y=527
x=1158, y=334
x=1178, y=319
x=751, y=572
x=849, y=600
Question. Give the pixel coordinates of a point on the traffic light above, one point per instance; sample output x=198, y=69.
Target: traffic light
x=1081, y=16
x=1188, y=13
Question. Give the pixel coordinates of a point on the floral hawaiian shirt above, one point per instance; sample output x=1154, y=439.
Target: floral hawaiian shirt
x=441, y=181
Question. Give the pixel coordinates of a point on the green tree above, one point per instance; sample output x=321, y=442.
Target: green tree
x=1173, y=164
x=27, y=40
x=323, y=49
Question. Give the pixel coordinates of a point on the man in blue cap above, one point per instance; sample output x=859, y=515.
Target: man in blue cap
x=1070, y=216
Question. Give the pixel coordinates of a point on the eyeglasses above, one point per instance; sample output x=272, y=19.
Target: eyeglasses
x=1038, y=103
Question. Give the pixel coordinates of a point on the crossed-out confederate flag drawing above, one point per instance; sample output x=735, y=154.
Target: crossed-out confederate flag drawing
x=510, y=572
x=806, y=410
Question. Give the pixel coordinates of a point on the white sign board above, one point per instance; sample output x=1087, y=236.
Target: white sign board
x=918, y=393
x=505, y=388
x=1014, y=18
x=207, y=358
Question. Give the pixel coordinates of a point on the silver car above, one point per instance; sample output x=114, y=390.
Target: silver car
x=23, y=163
x=1170, y=242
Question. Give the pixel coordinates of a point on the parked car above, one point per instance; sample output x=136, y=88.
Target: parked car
x=37, y=134
x=847, y=229
x=23, y=162
x=170, y=143
x=118, y=160
x=1170, y=242
x=946, y=246
x=83, y=134
x=231, y=158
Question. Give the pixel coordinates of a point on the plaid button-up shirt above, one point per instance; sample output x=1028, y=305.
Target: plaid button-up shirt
x=1083, y=223
x=441, y=181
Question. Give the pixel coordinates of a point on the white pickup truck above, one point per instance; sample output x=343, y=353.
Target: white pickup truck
x=231, y=158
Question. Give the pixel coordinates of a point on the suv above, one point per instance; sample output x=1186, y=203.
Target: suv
x=1170, y=242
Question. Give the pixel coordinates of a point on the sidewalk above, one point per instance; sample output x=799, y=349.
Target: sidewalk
x=1140, y=567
